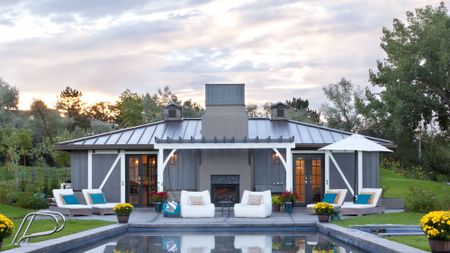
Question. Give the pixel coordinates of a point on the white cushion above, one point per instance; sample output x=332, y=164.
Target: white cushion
x=254, y=200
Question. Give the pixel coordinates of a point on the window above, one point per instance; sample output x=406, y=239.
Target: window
x=172, y=113
x=280, y=112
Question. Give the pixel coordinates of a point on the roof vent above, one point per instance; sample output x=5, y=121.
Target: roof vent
x=172, y=112
x=279, y=111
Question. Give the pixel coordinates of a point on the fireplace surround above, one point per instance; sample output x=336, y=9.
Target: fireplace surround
x=225, y=188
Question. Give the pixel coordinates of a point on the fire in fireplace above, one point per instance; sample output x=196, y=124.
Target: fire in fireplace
x=225, y=188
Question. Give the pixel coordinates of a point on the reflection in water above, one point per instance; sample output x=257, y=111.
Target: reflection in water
x=313, y=243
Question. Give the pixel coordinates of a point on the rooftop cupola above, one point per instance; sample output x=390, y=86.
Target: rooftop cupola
x=225, y=114
x=172, y=112
x=279, y=111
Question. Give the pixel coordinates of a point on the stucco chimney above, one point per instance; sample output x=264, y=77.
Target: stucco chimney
x=225, y=114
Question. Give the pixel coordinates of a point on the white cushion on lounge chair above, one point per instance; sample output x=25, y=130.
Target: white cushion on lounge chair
x=196, y=211
x=375, y=201
x=341, y=193
x=249, y=243
x=106, y=205
x=58, y=195
x=263, y=210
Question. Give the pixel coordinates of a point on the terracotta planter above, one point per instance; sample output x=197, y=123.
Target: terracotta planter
x=439, y=246
x=324, y=217
x=158, y=207
x=288, y=207
x=123, y=218
x=276, y=208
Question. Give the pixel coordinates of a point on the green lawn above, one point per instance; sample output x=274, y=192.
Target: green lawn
x=407, y=218
x=396, y=186
x=420, y=242
x=72, y=226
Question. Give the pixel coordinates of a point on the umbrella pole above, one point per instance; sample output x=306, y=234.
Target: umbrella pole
x=355, y=182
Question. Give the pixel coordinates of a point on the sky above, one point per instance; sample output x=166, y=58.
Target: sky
x=279, y=48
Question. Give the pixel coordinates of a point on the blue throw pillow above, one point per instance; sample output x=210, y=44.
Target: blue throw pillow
x=329, y=198
x=363, y=199
x=98, y=198
x=70, y=200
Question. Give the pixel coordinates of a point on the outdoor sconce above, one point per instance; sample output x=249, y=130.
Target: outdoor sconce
x=173, y=159
x=275, y=158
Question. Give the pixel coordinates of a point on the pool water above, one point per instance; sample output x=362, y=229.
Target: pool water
x=224, y=243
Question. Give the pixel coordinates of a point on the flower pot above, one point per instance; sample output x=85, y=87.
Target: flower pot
x=288, y=207
x=1, y=242
x=323, y=217
x=123, y=218
x=158, y=207
x=276, y=208
x=439, y=246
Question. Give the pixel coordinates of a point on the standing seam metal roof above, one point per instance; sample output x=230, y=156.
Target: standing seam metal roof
x=304, y=134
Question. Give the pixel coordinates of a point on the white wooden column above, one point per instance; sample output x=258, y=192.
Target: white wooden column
x=122, y=177
x=160, y=169
x=360, y=171
x=289, y=170
x=89, y=169
x=327, y=170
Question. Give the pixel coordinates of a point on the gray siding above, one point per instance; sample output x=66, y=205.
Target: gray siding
x=79, y=169
x=183, y=174
x=225, y=121
x=371, y=170
x=225, y=94
x=268, y=174
x=101, y=163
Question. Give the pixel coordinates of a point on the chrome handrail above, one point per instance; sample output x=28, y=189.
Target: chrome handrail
x=58, y=218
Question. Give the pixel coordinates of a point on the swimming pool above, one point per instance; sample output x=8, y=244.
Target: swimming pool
x=220, y=242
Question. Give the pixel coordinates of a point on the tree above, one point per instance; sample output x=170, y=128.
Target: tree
x=191, y=109
x=252, y=110
x=103, y=111
x=70, y=105
x=15, y=143
x=340, y=113
x=299, y=110
x=153, y=111
x=415, y=74
x=9, y=96
x=129, y=109
x=44, y=122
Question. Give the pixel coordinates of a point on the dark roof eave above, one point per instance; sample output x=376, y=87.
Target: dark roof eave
x=104, y=147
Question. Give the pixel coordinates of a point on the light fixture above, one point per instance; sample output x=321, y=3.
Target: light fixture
x=275, y=158
x=173, y=159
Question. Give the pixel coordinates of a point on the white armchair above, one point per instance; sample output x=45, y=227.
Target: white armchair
x=253, y=243
x=249, y=210
x=193, y=209
x=197, y=243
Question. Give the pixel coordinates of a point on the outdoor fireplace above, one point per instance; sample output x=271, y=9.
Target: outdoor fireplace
x=225, y=188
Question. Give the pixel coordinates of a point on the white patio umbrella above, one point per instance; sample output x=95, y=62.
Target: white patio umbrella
x=356, y=143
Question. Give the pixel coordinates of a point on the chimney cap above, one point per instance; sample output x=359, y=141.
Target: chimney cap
x=278, y=104
x=172, y=104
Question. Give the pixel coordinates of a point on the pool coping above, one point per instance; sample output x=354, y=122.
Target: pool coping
x=359, y=239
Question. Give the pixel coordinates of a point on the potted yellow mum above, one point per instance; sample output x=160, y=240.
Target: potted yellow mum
x=123, y=211
x=6, y=228
x=323, y=211
x=436, y=225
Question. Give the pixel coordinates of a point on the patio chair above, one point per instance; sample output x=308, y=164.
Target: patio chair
x=197, y=243
x=253, y=243
x=372, y=207
x=101, y=207
x=254, y=205
x=68, y=204
x=196, y=204
x=338, y=201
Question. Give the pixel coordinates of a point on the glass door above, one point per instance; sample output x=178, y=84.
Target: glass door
x=141, y=174
x=308, y=178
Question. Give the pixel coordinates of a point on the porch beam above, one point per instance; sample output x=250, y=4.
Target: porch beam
x=122, y=177
x=327, y=171
x=89, y=169
x=360, y=171
x=160, y=170
x=271, y=145
x=289, y=171
x=342, y=174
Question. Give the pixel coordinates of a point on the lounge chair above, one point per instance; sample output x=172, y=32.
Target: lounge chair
x=340, y=197
x=254, y=205
x=69, y=209
x=373, y=207
x=99, y=208
x=197, y=243
x=196, y=205
x=253, y=243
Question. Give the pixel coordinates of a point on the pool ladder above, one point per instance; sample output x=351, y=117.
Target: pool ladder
x=58, y=218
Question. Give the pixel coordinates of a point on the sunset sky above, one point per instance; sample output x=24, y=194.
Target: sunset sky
x=278, y=48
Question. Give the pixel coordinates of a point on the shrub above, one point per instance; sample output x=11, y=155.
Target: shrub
x=277, y=200
x=28, y=200
x=159, y=196
x=6, y=187
x=422, y=200
x=289, y=196
x=436, y=225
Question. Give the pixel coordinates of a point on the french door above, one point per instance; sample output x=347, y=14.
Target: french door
x=141, y=175
x=308, y=178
